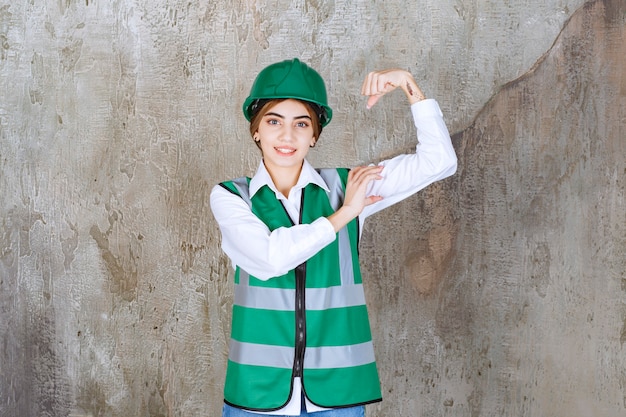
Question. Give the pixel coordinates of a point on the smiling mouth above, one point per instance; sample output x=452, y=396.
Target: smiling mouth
x=285, y=151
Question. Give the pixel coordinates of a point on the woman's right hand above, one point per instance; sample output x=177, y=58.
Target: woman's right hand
x=356, y=197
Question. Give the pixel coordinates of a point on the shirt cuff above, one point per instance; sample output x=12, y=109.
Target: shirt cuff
x=425, y=109
x=326, y=229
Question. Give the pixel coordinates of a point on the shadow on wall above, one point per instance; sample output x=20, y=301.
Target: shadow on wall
x=523, y=308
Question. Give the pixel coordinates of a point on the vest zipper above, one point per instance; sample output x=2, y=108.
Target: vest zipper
x=298, y=364
x=300, y=321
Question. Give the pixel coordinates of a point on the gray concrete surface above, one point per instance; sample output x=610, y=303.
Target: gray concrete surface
x=498, y=292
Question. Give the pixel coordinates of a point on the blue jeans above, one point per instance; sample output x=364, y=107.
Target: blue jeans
x=358, y=411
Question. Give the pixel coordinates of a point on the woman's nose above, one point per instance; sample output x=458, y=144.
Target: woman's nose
x=286, y=133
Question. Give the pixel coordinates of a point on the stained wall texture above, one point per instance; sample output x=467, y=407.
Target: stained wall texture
x=500, y=291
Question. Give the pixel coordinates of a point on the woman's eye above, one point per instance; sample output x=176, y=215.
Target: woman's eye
x=272, y=121
x=303, y=124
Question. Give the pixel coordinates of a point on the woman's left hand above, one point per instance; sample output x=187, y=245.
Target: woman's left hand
x=379, y=83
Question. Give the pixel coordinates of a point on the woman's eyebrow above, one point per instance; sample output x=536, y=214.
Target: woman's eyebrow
x=304, y=116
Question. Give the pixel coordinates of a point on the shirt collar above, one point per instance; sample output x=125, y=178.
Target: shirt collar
x=308, y=175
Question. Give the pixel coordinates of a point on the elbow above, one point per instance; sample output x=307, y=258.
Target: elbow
x=451, y=166
x=268, y=270
x=249, y=260
x=446, y=167
x=262, y=276
x=265, y=273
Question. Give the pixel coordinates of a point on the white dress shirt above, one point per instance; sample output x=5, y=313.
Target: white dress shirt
x=248, y=242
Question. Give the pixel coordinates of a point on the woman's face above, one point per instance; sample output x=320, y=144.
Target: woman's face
x=285, y=135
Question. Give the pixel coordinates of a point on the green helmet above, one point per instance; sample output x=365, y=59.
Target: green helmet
x=289, y=79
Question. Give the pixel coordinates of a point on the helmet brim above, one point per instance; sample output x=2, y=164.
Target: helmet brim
x=325, y=118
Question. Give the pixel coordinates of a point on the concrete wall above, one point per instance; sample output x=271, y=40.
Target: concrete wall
x=498, y=292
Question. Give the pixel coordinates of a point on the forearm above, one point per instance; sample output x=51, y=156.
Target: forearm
x=276, y=253
x=252, y=246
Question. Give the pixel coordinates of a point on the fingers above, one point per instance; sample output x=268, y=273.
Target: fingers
x=359, y=179
x=364, y=174
x=372, y=100
x=378, y=83
x=372, y=199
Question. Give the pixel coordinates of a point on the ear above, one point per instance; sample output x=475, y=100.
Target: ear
x=256, y=137
x=313, y=142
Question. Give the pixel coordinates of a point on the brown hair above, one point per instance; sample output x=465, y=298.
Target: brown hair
x=263, y=106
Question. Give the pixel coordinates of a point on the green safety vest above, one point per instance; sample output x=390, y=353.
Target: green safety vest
x=311, y=322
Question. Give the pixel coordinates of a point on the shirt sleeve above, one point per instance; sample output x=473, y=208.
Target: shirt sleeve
x=249, y=243
x=434, y=159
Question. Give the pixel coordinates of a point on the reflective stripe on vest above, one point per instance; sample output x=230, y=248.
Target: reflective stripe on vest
x=314, y=358
x=283, y=299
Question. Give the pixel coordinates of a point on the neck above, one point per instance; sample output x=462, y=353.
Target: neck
x=284, y=178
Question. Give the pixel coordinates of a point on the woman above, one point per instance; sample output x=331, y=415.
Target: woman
x=301, y=342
